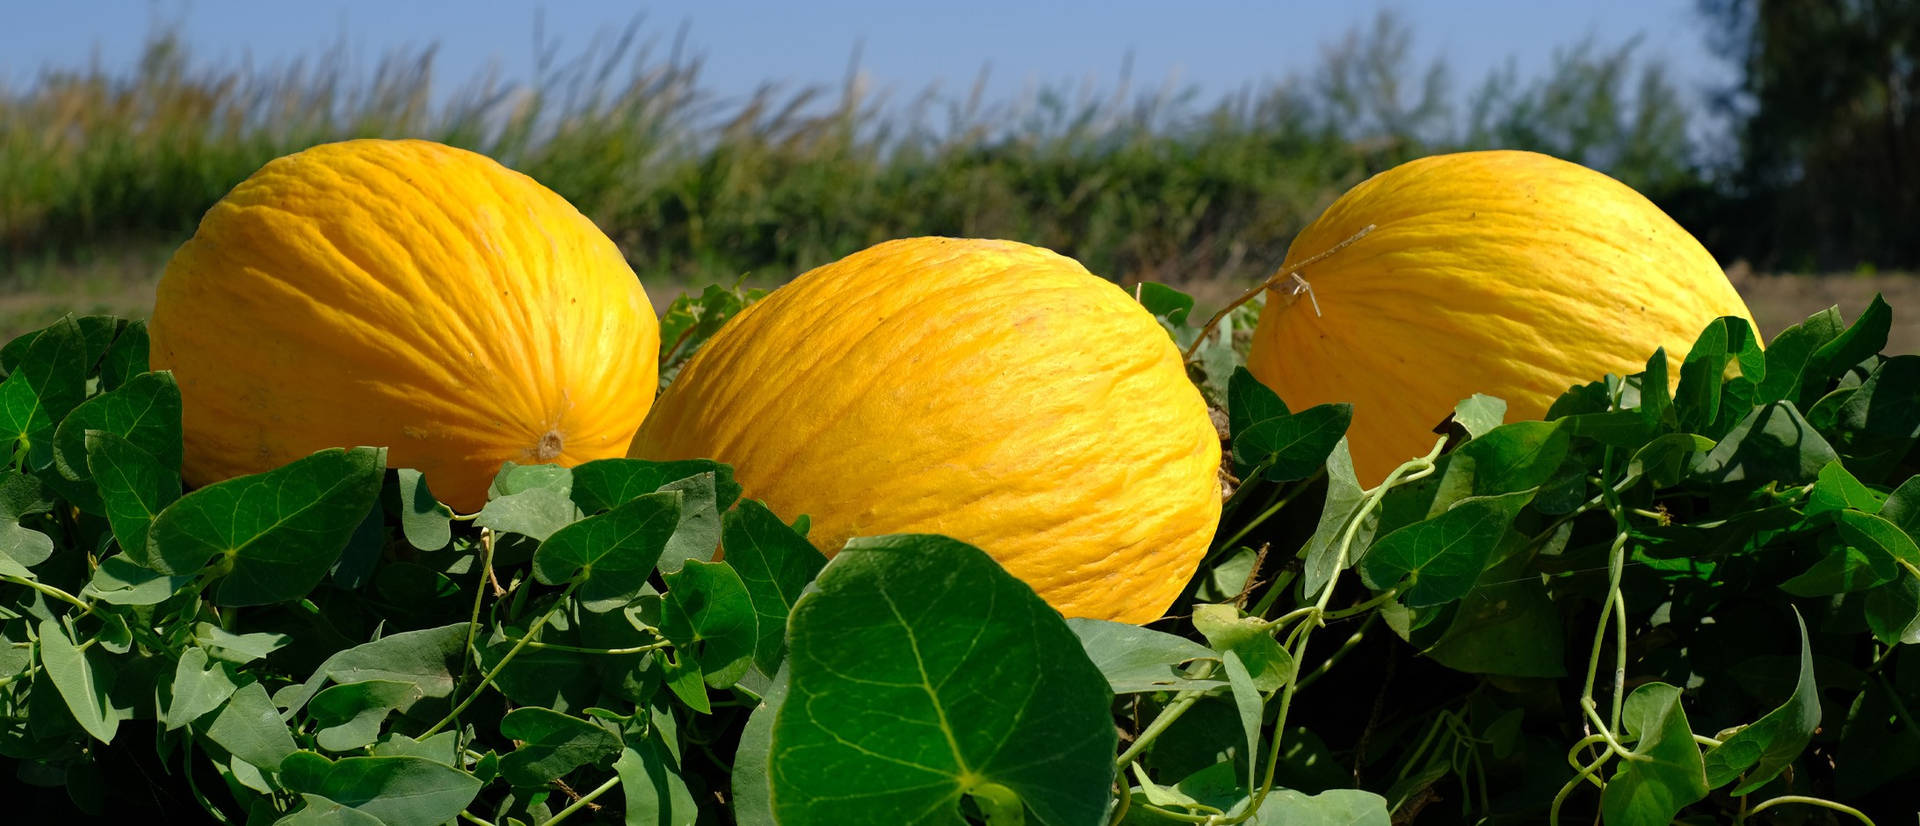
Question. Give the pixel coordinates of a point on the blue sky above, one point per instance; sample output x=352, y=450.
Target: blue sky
x=1212, y=45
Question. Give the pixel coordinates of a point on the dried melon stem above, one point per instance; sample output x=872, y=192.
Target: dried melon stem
x=1290, y=293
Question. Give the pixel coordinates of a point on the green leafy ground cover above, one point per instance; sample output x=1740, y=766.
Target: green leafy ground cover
x=1694, y=604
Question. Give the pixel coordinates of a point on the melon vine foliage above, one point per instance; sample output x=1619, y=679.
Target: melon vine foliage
x=1693, y=593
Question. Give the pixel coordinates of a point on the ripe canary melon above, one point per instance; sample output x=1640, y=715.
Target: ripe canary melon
x=991, y=391
x=1509, y=273
x=405, y=294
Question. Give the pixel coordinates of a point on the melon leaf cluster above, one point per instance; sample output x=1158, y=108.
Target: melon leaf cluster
x=1706, y=597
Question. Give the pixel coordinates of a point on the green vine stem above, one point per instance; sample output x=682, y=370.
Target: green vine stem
x=613, y=652
x=1616, y=571
x=487, y=679
x=1181, y=702
x=1297, y=638
x=479, y=594
x=1807, y=801
x=1352, y=642
x=48, y=590
x=1293, y=492
x=1586, y=772
x=473, y=622
x=582, y=803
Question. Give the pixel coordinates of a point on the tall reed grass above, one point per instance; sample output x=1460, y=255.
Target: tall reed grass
x=697, y=186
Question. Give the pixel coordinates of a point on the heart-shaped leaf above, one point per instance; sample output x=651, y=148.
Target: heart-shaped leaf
x=921, y=672
x=551, y=745
x=709, y=617
x=275, y=533
x=1763, y=750
x=775, y=564
x=612, y=554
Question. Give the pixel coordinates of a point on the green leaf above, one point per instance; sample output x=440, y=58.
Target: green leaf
x=320, y=811
x=751, y=781
x=1438, y=560
x=775, y=564
x=1333, y=807
x=1507, y=625
x=426, y=523
x=1293, y=447
x=516, y=479
x=84, y=680
x=1227, y=629
x=1512, y=457
x=1893, y=611
x=691, y=320
x=1792, y=350
x=1138, y=660
x=610, y=555
x=1877, y=425
x=1249, y=402
x=277, y=532
x=534, y=512
x=602, y=484
x=49, y=382
x=119, y=581
x=1665, y=773
x=656, y=794
x=1773, y=443
x=1877, y=536
x=198, y=687
x=920, y=672
x=1656, y=402
x=238, y=649
x=1838, y=490
x=1699, y=397
x=1169, y=305
x=682, y=675
x=349, y=716
x=1665, y=460
x=145, y=412
x=304, y=771
x=552, y=744
x=1344, y=496
x=400, y=791
x=418, y=658
x=1902, y=507
x=1842, y=568
x=697, y=536
x=1246, y=700
x=134, y=488
x=22, y=495
x=1866, y=337
x=1479, y=413
x=440, y=748
x=709, y=617
x=126, y=357
x=354, y=567
x=249, y=727
x=1765, y=749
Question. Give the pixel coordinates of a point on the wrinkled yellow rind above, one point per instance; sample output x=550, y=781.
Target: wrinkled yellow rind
x=987, y=390
x=406, y=294
x=1508, y=273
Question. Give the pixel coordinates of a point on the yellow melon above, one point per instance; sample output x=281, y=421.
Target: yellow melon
x=1508, y=273
x=405, y=294
x=990, y=391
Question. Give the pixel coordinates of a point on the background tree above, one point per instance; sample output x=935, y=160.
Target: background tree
x=1824, y=110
